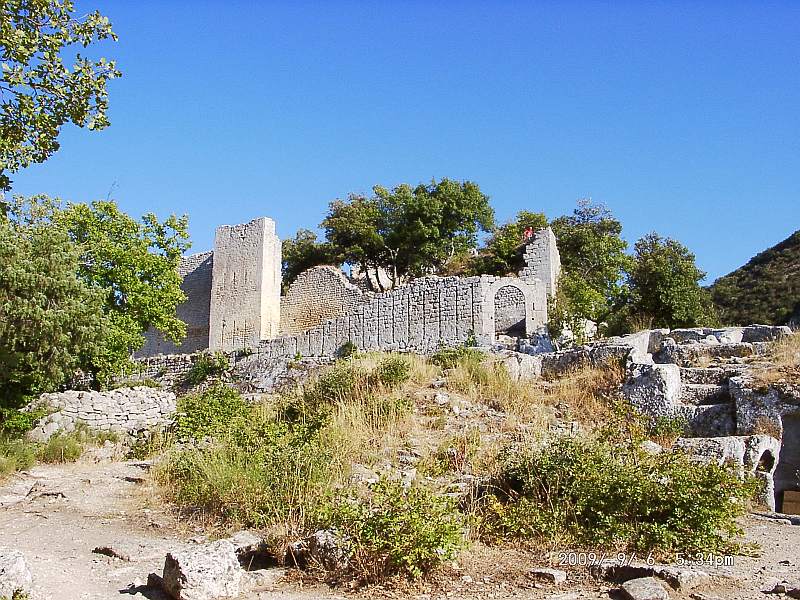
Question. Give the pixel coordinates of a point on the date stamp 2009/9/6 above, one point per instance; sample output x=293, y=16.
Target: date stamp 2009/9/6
x=587, y=559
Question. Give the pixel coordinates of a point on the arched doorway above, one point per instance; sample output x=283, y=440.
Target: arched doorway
x=510, y=311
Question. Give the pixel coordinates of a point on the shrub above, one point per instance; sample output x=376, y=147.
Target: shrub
x=15, y=455
x=610, y=494
x=209, y=413
x=62, y=447
x=207, y=365
x=15, y=422
x=396, y=531
x=276, y=477
x=448, y=357
x=392, y=372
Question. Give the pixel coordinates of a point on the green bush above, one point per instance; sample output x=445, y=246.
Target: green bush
x=259, y=474
x=15, y=455
x=448, y=357
x=615, y=495
x=15, y=422
x=207, y=365
x=62, y=447
x=347, y=350
x=210, y=413
x=396, y=531
x=392, y=372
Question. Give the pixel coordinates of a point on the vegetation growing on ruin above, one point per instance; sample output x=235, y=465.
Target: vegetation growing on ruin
x=282, y=462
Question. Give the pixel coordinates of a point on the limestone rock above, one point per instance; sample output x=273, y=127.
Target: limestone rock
x=324, y=548
x=644, y=588
x=207, y=572
x=654, y=389
x=14, y=573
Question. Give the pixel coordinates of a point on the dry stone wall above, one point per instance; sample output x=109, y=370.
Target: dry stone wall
x=122, y=410
x=318, y=294
x=542, y=260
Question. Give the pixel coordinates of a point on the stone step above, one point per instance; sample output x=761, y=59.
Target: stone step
x=709, y=375
x=704, y=393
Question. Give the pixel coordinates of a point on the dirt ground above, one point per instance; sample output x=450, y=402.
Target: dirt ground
x=57, y=515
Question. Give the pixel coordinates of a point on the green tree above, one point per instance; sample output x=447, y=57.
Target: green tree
x=303, y=252
x=134, y=264
x=502, y=253
x=49, y=316
x=594, y=263
x=408, y=231
x=38, y=92
x=664, y=285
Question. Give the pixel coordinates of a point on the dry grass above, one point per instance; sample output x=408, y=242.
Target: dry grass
x=784, y=362
x=585, y=394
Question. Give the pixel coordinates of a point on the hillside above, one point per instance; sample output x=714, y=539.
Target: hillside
x=765, y=290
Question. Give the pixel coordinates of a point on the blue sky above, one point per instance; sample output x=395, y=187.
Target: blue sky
x=682, y=117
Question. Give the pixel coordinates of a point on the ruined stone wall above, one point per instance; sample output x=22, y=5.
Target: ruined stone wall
x=318, y=294
x=195, y=271
x=245, y=292
x=542, y=260
x=122, y=410
x=419, y=317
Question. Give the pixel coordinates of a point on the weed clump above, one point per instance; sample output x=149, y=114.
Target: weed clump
x=395, y=530
x=207, y=365
x=603, y=493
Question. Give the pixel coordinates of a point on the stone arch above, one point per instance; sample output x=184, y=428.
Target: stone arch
x=489, y=307
x=509, y=311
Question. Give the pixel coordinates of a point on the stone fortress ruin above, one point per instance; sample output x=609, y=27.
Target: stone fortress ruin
x=234, y=302
x=701, y=378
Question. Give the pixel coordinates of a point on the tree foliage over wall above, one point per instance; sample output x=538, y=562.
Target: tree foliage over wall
x=406, y=231
x=38, y=92
x=89, y=280
x=765, y=290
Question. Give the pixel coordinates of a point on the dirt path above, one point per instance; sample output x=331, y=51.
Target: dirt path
x=57, y=515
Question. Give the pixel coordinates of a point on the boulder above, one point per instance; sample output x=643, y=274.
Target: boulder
x=207, y=572
x=644, y=588
x=653, y=389
x=15, y=577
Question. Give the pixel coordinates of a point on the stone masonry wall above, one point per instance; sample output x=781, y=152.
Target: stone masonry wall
x=318, y=294
x=195, y=270
x=542, y=260
x=122, y=410
x=419, y=317
x=245, y=292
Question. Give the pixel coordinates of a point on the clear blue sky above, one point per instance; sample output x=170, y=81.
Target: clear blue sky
x=683, y=117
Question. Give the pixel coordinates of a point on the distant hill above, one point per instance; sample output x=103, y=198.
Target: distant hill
x=765, y=290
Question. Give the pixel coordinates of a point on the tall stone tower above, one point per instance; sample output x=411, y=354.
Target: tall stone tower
x=542, y=260
x=246, y=285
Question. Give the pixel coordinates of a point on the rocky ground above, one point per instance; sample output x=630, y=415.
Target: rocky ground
x=93, y=530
